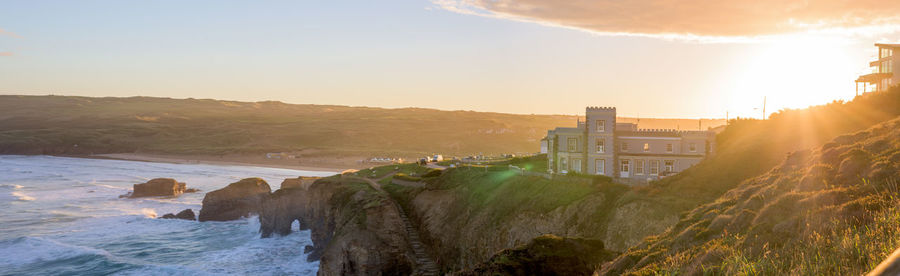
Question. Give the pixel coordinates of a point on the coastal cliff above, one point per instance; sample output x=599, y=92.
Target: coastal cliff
x=468, y=215
x=356, y=230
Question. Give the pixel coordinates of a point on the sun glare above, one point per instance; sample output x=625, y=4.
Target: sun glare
x=793, y=72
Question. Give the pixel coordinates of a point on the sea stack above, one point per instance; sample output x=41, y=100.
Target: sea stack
x=239, y=199
x=186, y=214
x=158, y=187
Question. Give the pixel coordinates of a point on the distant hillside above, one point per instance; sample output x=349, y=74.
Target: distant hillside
x=831, y=211
x=80, y=125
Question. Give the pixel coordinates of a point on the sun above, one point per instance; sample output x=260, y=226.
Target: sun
x=793, y=72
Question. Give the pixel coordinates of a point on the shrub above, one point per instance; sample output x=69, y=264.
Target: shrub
x=406, y=177
x=432, y=173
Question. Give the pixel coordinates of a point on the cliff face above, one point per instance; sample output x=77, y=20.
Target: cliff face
x=355, y=229
x=547, y=255
x=466, y=226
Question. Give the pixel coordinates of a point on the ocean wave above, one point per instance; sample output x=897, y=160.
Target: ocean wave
x=27, y=250
x=22, y=197
x=110, y=186
x=14, y=186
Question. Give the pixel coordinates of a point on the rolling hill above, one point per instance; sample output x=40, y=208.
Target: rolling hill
x=84, y=125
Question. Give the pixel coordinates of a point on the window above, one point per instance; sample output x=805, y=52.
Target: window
x=638, y=166
x=669, y=147
x=654, y=167
x=576, y=165
x=600, y=165
x=885, y=52
x=563, y=165
x=601, y=125
x=625, y=165
x=572, y=144
x=646, y=147
x=692, y=147
x=600, y=143
x=624, y=146
x=670, y=165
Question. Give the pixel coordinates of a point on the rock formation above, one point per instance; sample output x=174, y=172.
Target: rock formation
x=547, y=255
x=299, y=182
x=186, y=214
x=355, y=229
x=239, y=199
x=158, y=187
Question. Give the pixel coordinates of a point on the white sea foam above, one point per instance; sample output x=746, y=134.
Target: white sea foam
x=22, y=197
x=81, y=214
x=14, y=186
x=150, y=213
x=22, y=251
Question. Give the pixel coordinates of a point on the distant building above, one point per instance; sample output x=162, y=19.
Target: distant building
x=882, y=75
x=276, y=155
x=600, y=146
x=544, y=147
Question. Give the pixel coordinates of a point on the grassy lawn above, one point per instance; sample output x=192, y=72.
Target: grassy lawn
x=504, y=192
x=537, y=163
x=405, y=168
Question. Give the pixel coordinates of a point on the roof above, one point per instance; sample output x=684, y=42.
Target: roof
x=874, y=77
x=887, y=45
x=568, y=130
x=660, y=133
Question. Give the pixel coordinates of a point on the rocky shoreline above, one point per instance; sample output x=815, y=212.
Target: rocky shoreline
x=358, y=228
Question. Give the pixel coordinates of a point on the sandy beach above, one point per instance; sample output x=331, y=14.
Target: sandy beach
x=336, y=165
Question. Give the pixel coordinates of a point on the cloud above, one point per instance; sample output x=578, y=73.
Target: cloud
x=694, y=18
x=6, y=54
x=8, y=33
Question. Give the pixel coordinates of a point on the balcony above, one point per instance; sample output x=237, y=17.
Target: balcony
x=874, y=77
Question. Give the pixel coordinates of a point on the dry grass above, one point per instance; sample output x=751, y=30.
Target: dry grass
x=802, y=217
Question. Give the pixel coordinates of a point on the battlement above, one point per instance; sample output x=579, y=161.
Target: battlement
x=600, y=108
x=671, y=131
x=656, y=130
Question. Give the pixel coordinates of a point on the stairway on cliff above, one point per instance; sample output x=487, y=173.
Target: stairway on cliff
x=426, y=265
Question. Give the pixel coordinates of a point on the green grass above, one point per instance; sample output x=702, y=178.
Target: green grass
x=381, y=171
x=536, y=163
x=505, y=192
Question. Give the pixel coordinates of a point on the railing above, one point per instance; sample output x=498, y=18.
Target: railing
x=525, y=172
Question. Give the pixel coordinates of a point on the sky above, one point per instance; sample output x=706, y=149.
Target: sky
x=648, y=58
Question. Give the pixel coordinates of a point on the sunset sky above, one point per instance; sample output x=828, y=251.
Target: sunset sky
x=677, y=59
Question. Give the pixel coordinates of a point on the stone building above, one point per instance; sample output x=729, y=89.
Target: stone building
x=601, y=146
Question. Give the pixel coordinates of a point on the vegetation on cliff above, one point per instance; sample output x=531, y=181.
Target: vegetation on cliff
x=748, y=147
x=829, y=211
x=547, y=255
x=492, y=208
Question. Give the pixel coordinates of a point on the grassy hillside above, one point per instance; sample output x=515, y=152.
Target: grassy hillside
x=55, y=124
x=749, y=147
x=829, y=211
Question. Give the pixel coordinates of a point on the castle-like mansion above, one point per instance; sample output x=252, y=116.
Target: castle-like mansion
x=601, y=146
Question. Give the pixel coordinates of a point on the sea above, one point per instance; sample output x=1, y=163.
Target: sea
x=63, y=216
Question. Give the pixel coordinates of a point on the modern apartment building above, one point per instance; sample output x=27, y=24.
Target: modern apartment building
x=601, y=146
x=882, y=76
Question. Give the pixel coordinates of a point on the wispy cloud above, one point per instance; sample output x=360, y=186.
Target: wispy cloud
x=6, y=54
x=8, y=33
x=695, y=19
